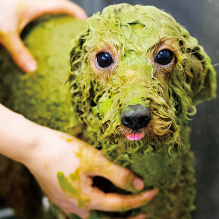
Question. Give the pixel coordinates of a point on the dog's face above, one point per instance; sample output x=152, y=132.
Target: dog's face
x=136, y=74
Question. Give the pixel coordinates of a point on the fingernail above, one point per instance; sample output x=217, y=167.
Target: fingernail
x=142, y=216
x=138, y=184
x=31, y=67
x=156, y=191
x=149, y=195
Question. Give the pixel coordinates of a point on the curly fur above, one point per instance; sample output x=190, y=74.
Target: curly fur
x=133, y=36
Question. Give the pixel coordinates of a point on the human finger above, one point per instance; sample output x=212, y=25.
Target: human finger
x=121, y=177
x=35, y=10
x=117, y=202
x=19, y=52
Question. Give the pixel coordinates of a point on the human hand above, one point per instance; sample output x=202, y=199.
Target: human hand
x=65, y=166
x=16, y=14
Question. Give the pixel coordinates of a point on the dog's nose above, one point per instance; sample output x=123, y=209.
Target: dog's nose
x=135, y=116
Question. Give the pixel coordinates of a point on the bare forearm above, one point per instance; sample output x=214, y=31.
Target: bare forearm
x=17, y=135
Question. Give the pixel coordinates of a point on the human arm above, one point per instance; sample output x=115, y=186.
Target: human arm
x=16, y=14
x=64, y=167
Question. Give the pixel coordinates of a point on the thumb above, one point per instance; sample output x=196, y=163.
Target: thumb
x=19, y=52
x=123, y=178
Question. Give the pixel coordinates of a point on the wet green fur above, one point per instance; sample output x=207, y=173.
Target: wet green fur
x=41, y=97
x=164, y=161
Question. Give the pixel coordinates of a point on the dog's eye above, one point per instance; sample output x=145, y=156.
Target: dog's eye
x=104, y=59
x=164, y=57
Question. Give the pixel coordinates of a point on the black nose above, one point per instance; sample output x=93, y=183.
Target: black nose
x=135, y=116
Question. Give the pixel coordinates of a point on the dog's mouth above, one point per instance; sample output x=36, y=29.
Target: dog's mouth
x=135, y=136
x=131, y=134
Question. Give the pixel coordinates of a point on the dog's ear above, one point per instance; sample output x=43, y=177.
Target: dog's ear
x=203, y=76
x=204, y=83
x=76, y=53
x=79, y=86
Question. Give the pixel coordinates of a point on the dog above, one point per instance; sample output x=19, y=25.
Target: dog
x=136, y=76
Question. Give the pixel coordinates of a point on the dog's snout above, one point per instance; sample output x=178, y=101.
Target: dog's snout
x=135, y=116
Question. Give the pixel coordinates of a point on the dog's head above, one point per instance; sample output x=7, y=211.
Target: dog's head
x=136, y=74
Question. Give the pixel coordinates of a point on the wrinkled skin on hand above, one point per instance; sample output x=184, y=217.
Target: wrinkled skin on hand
x=16, y=14
x=68, y=166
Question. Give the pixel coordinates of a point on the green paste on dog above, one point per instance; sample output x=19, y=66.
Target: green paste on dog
x=133, y=36
x=92, y=109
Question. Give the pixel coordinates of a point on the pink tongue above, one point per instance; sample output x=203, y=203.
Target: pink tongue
x=135, y=136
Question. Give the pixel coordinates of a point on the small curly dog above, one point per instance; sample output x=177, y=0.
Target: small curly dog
x=136, y=75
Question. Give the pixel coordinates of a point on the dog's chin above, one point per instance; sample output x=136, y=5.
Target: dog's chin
x=154, y=136
x=135, y=136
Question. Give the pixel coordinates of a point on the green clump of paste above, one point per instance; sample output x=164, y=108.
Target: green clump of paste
x=71, y=191
x=66, y=185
